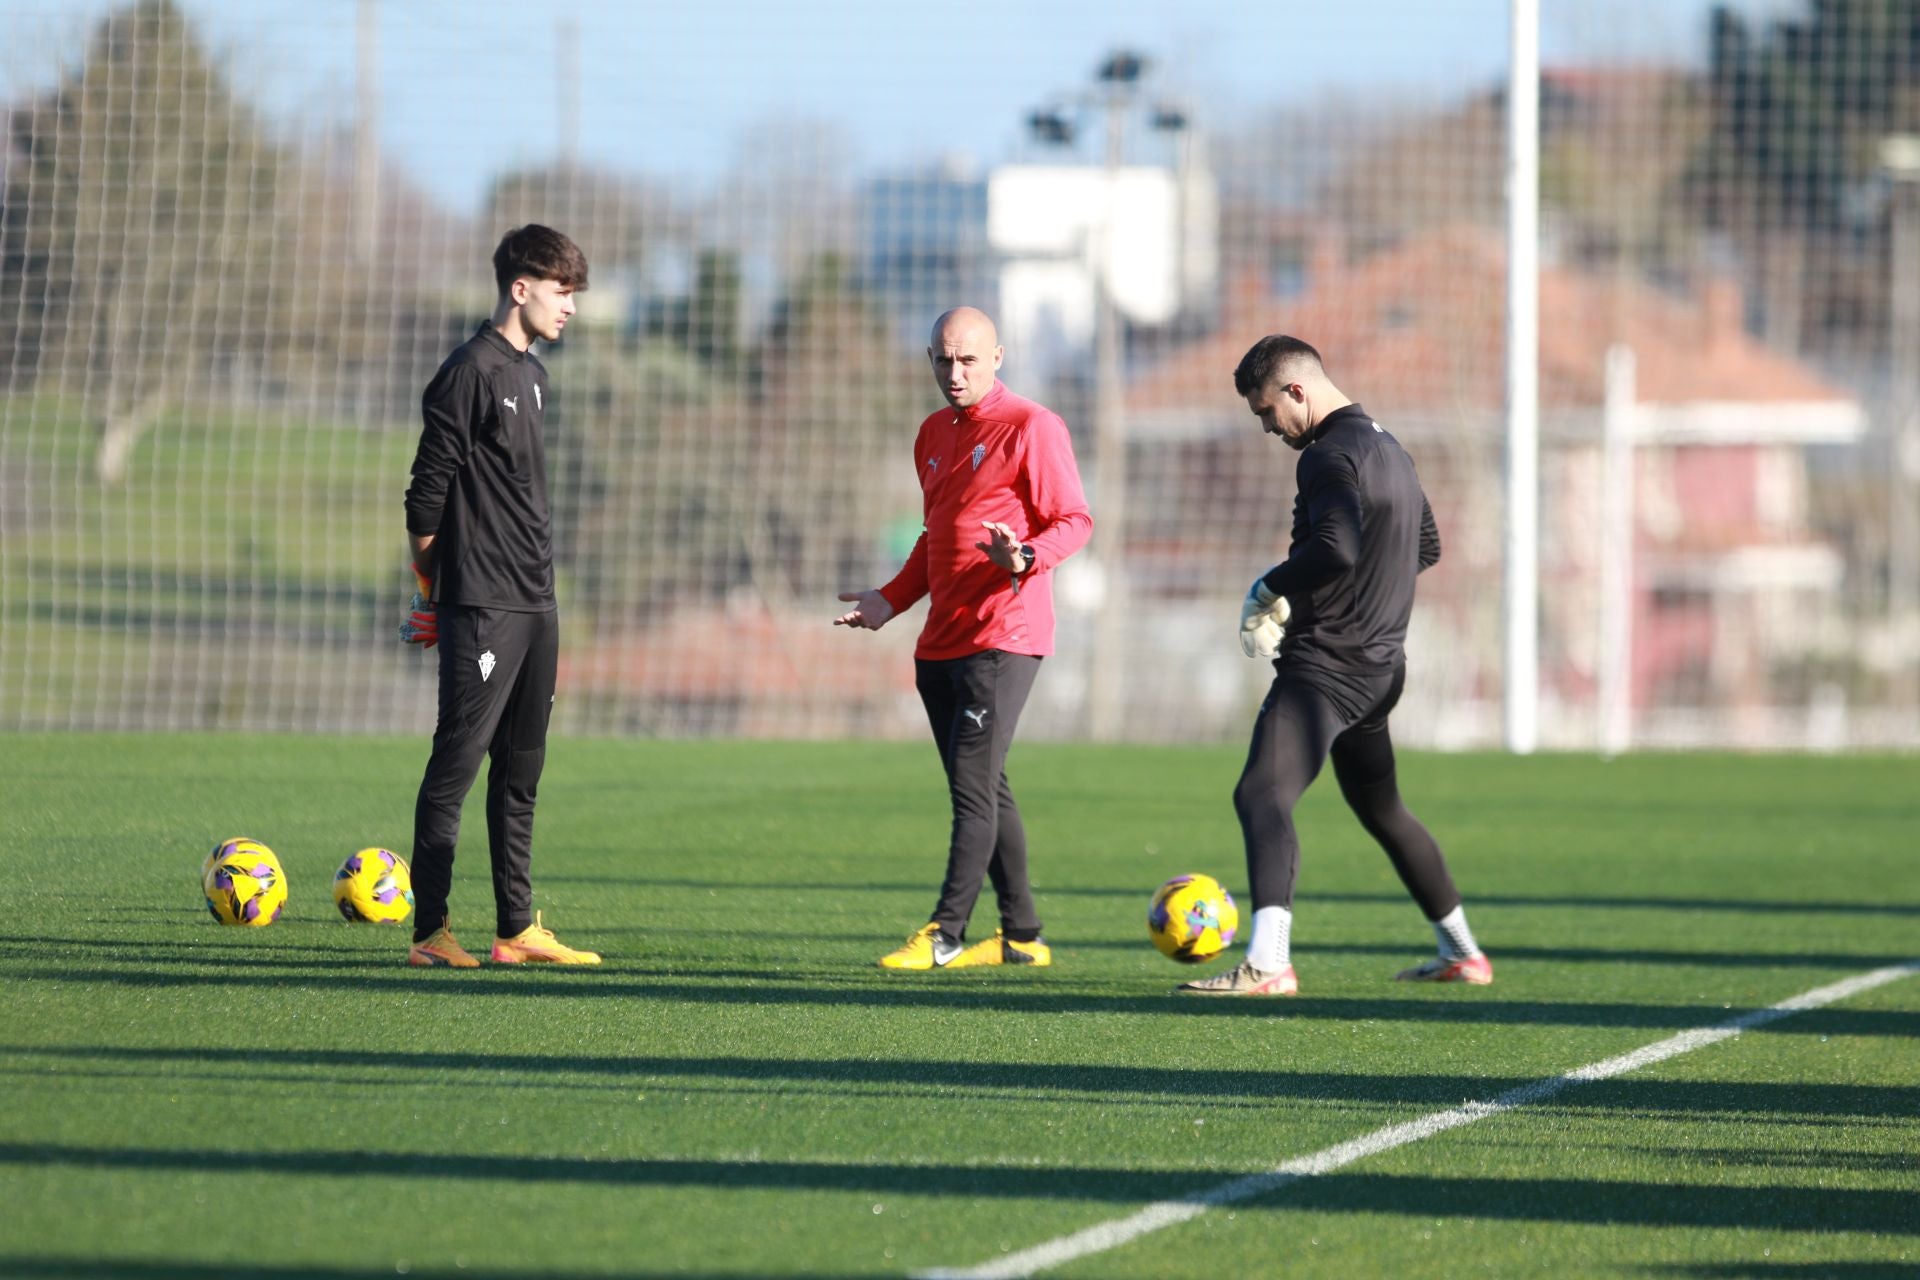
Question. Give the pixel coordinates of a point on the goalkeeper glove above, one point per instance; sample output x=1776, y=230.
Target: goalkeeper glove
x=1263, y=619
x=422, y=626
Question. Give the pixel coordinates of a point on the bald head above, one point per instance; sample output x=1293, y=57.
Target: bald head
x=965, y=354
x=964, y=320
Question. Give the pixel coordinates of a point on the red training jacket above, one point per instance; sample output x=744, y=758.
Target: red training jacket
x=1009, y=460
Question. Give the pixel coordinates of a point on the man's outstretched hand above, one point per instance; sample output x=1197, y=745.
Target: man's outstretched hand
x=870, y=610
x=1003, y=548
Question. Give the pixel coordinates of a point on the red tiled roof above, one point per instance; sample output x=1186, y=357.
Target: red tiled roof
x=1421, y=326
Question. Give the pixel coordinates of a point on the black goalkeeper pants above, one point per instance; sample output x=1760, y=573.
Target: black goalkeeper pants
x=497, y=672
x=1305, y=719
x=973, y=704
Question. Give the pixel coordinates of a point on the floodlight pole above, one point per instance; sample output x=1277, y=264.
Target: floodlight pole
x=566, y=83
x=1522, y=602
x=1118, y=94
x=365, y=213
x=1106, y=674
x=1900, y=161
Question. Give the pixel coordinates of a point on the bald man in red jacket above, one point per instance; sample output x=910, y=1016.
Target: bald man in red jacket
x=1003, y=505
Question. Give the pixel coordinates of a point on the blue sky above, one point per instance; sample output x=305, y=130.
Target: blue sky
x=683, y=89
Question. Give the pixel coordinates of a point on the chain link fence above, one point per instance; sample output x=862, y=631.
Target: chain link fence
x=236, y=240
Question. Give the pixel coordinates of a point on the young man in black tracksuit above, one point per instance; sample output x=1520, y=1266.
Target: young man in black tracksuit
x=1333, y=616
x=478, y=519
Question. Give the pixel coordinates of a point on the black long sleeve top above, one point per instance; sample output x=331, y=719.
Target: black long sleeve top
x=480, y=477
x=1362, y=532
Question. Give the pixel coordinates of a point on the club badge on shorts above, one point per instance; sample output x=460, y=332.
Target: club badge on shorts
x=486, y=665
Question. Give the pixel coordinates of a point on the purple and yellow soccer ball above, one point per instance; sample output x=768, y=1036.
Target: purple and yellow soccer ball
x=244, y=884
x=374, y=887
x=224, y=848
x=1192, y=919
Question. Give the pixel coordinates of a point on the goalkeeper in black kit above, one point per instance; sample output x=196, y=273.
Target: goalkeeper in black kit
x=1333, y=617
x=479, y=523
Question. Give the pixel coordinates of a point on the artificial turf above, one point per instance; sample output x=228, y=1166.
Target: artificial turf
x=738, y=1091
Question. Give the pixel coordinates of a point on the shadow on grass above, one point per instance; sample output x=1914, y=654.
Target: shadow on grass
x=925, y=888
x=1034, y=1080
x=216, y=943
x=253, y=960
x=1018, y=993
x=384, y=945
x=1140, y=894
x=214, y=1080
x=43, y=1267
x=1118, y=1186
x=1733, y=906
x=1624, y=956
x=1786, y=1158
x=1605, y=1202
x=1767, y=1269
x=1558, y=1200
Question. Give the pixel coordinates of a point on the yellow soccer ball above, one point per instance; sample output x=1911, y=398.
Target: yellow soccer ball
x=224, y=848
x=1192, y=918
x=244, y=884
x=374, y=887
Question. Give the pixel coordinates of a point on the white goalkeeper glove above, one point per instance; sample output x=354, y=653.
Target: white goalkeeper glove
x=1263, y=620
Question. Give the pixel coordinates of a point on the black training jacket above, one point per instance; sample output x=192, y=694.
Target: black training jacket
x=1362, y=532
x=480, y=477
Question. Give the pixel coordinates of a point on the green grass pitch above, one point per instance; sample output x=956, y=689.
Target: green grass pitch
x=739, y=1092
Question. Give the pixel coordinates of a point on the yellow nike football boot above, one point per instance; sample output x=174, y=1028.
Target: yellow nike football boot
x=927, y=948
x=1000, y=949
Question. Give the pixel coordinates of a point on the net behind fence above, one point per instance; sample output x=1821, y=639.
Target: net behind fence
x=236, y=240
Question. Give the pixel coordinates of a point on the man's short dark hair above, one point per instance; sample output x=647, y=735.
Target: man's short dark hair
x=539, y=252
x=1270, y=357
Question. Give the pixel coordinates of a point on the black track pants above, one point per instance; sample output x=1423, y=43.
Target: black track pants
x=497, y=671
x=1302, y=722
x=973, y=704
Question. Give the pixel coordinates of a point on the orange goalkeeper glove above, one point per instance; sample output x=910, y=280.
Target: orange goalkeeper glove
x=422, y=626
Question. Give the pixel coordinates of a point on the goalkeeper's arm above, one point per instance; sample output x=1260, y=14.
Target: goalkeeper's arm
x=1429, y=537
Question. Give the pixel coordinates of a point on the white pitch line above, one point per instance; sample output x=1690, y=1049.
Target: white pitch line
x=1167, y=1213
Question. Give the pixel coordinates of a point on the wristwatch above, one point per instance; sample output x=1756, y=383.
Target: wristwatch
x=1026, y=549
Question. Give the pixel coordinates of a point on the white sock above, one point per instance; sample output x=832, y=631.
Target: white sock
x=1269, y=951
x=1456, y=940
